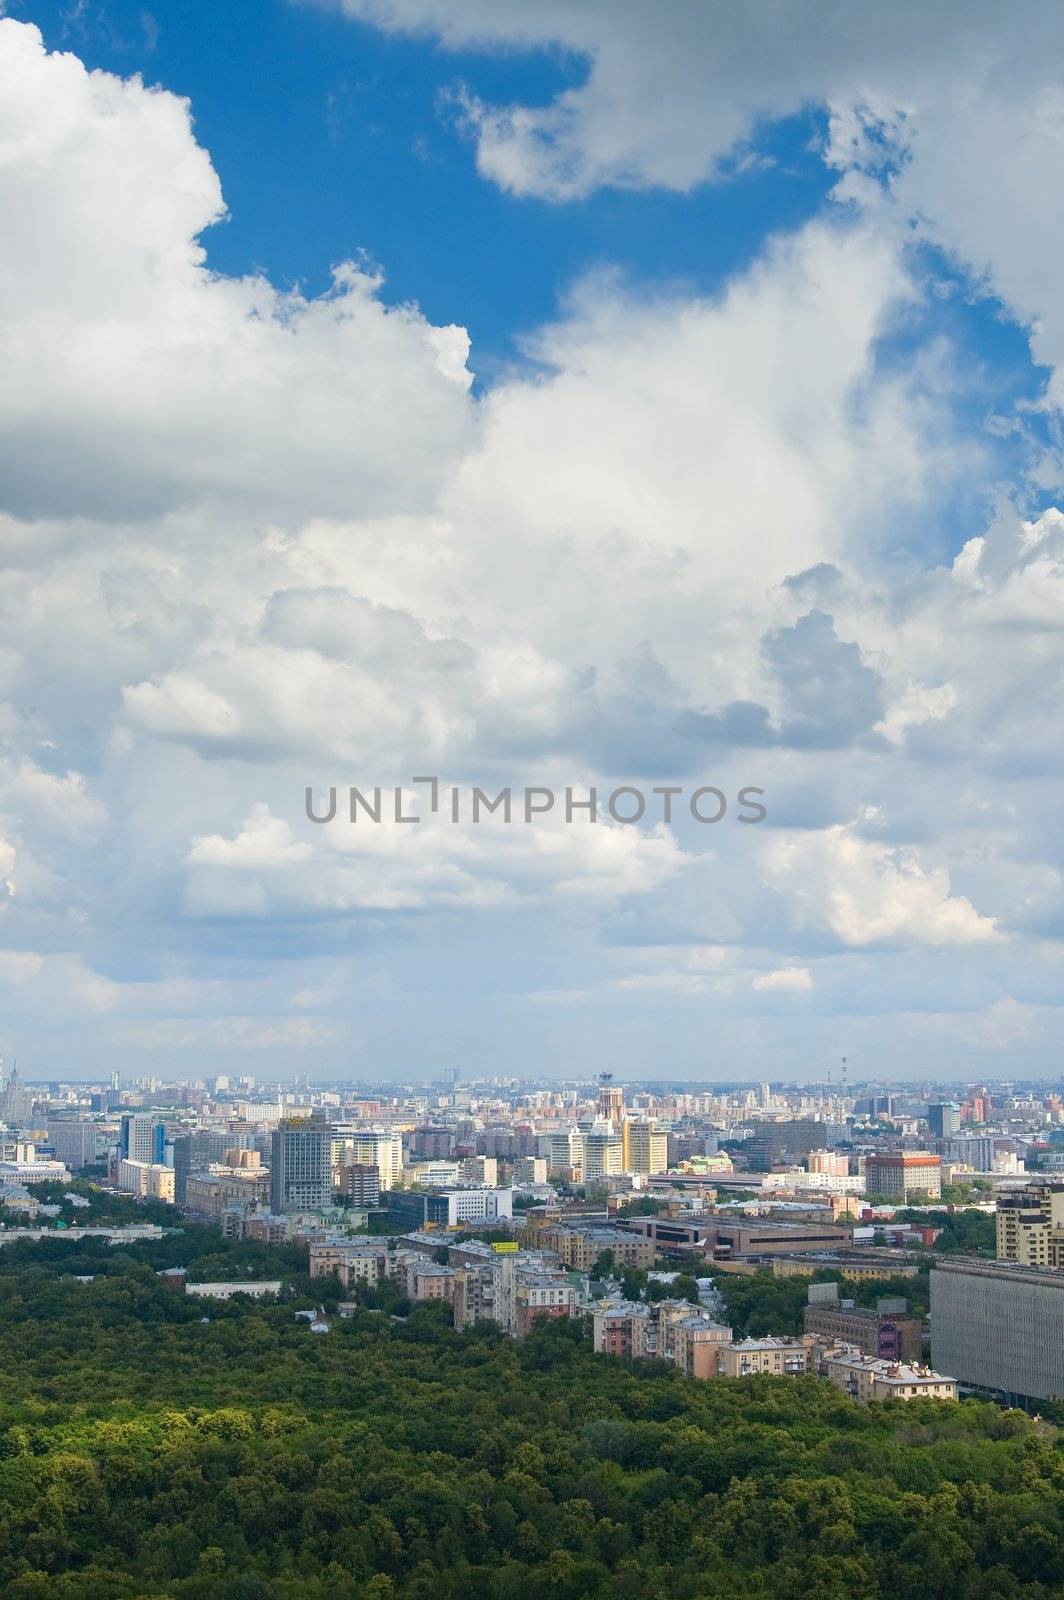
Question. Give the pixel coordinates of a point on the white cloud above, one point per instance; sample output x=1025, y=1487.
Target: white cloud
x=867, y=894
x=287, y=545
x=786, y=980
x=141, y=381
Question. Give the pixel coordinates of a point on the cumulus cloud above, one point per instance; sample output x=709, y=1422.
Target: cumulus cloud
x=866, y=894
x=254, y=541
x=142, y=382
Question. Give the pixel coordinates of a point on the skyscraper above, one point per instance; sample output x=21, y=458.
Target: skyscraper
x=301, y=1166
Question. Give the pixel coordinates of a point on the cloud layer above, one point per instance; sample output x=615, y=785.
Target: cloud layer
x=254, y=541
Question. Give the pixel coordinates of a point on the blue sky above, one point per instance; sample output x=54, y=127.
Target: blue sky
x=706, y=425
x=332, y=138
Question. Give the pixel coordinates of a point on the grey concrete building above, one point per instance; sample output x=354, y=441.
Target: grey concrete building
x=999, y=1326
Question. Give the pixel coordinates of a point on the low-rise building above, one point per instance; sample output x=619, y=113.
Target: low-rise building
x=146, y=1180
x=226, y=1291
x=889, y=1331
x=776, y=1358
x=864, y=1378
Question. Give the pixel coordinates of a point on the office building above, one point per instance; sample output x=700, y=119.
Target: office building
x=75, y=1141
x=943, y=1118
x=142, y=1137
x=300, y=1167
x=449, y=1208
x=898, y=1174
x=998, y=1326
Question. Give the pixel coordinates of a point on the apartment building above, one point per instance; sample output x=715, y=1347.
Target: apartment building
x=864, y=1378
x=359, y=1182
x=1030, y=1225
x=697, y=1343
x=353, y=1261
x=580, y=1248
x=777, y=1358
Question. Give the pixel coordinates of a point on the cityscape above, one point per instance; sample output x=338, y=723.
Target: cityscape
x=512, y=1203
x=531, y=794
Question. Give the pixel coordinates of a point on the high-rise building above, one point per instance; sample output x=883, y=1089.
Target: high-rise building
x=300, y=1166
x=603, y=1154
x=610, y=1100
x=371, y=1147
x=645, y=1146
x=564, y=1150
x=1030, y=1225
x=75, y=1140
x=943, y=1118
x=997, y=1326
x=16, y=1101
x=142, y=1137
x=360, y=1183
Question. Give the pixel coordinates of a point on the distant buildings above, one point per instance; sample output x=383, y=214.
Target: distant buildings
x=449, y=1208
x=999, y=1326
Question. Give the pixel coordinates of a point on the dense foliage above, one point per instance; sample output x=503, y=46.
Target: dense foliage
x=146, y=1452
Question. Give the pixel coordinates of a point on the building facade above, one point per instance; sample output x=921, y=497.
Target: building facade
x=996, y=1325
x=897, y=1174
x=300, y=1167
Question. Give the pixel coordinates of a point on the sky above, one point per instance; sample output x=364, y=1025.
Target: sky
x=577, y=394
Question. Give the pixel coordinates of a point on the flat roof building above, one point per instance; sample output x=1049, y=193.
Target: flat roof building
x=999, y=1326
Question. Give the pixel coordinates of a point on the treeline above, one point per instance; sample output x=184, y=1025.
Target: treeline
x=153, y=1445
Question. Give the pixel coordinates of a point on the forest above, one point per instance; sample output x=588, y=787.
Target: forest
x=153, y=1445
